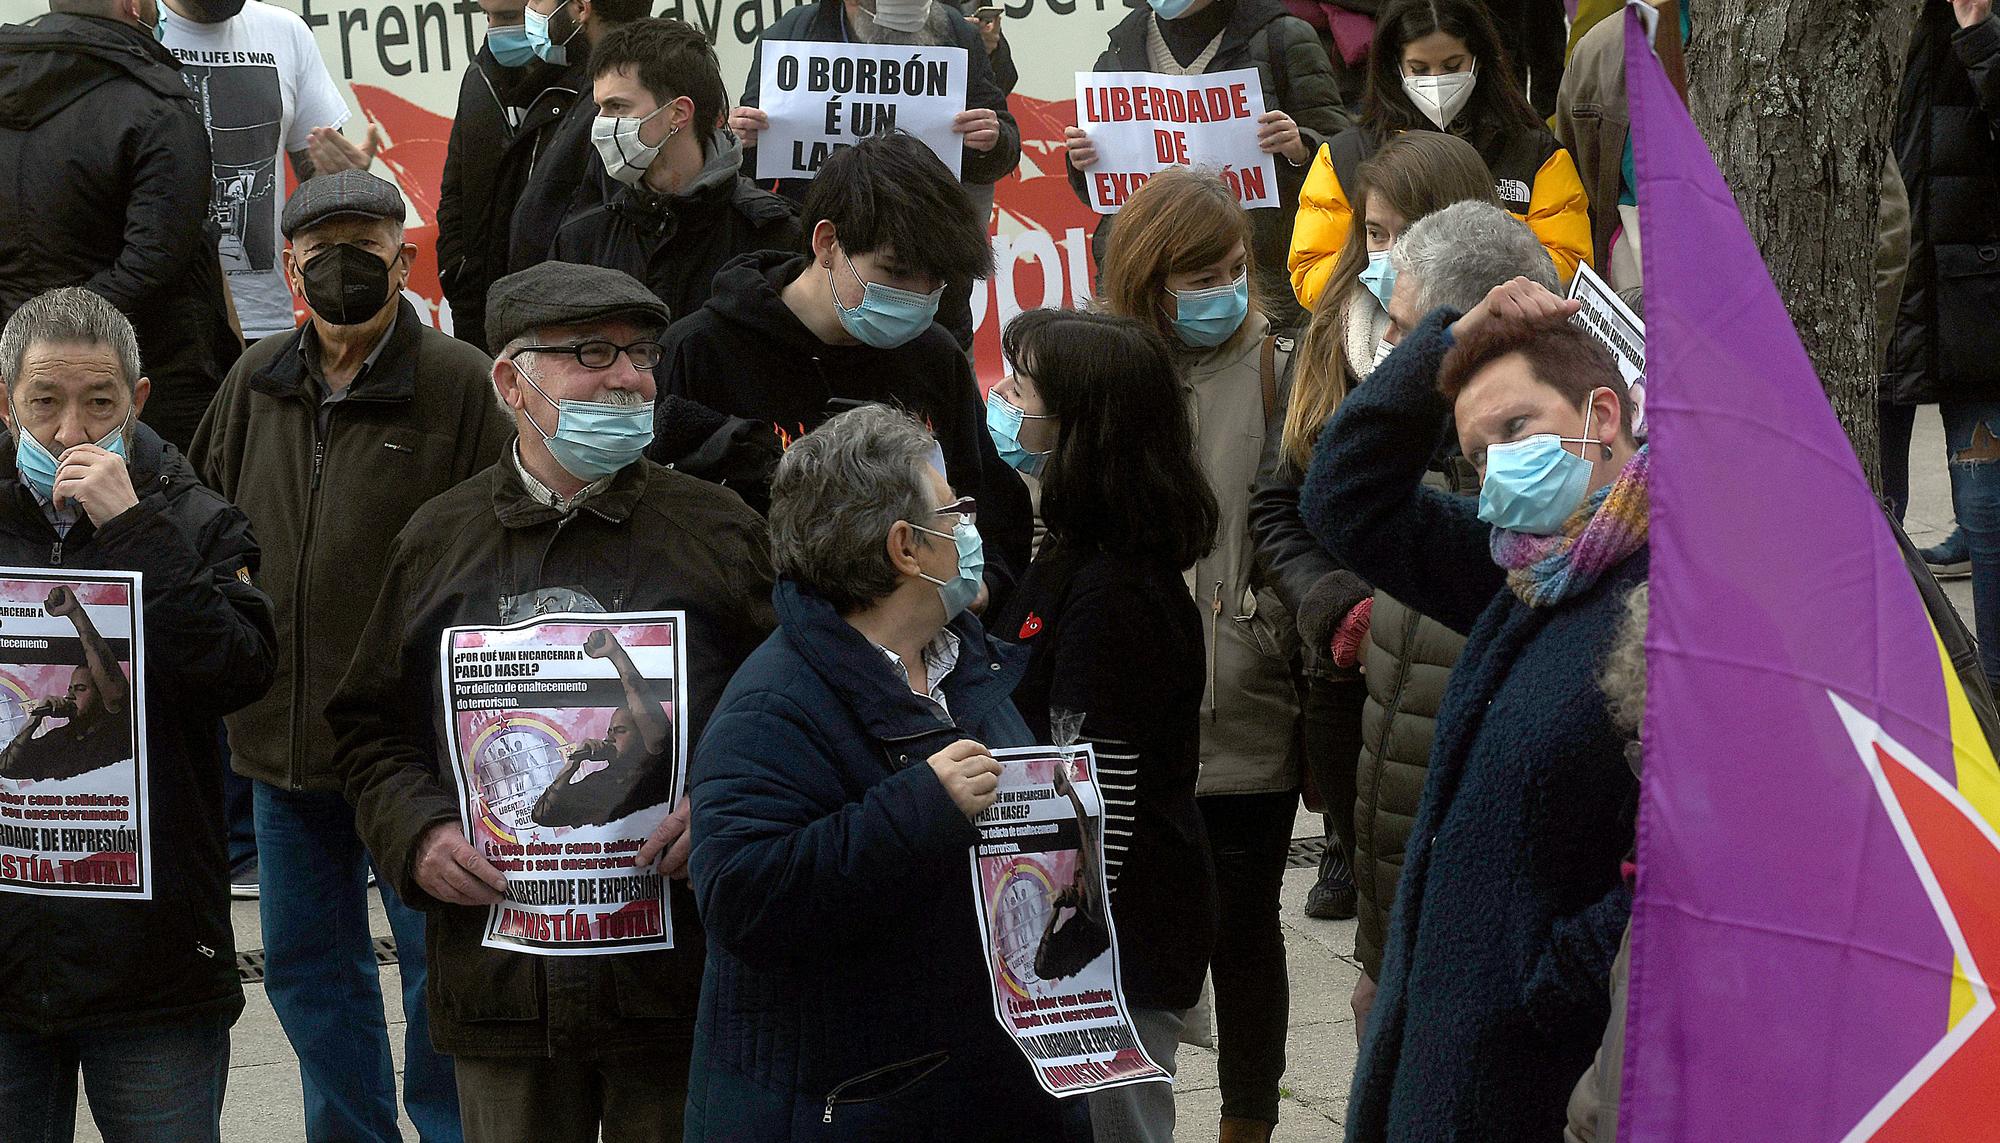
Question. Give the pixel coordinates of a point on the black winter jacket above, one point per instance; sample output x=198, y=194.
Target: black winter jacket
x=105, y=183
x=1297, y=79
x=1493, y=994
x=825, y=21
x=484, y=553
x=745, y=354
x=486, y=165
x=1947, y=342
x=557, y=180
x=68, y=963
x=676, y=243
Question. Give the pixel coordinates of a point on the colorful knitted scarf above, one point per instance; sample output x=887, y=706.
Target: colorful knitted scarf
x=1611, y=524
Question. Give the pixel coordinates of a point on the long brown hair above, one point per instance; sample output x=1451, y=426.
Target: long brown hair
x=1182, y=219
x=1414, y=173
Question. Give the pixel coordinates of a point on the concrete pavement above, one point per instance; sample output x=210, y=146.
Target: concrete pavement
x=264, y=1102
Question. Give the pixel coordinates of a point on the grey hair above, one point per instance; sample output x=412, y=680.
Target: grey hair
x=71, y=315
x=1623, y=679
x=1458, y=254
x=837, y=492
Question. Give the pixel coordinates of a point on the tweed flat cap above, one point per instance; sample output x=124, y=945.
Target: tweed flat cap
x=350, y=192
x=564, y=293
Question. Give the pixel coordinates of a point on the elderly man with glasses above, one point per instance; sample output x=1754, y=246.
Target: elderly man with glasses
x=571, y=519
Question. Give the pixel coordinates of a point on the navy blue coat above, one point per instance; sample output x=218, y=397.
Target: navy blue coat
x=845, y=995
x=1493, y=994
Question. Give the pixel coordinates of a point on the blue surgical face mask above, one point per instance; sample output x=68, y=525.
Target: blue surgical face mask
x=38, y=467
x=1003, y=421
x=1207, y=318
x=1380, y=277
x=537, y=28
x=959, y=591
x=887, y=317
x=1534, y=485
x=1170, y=9
x=594, y=439
x=511, y=46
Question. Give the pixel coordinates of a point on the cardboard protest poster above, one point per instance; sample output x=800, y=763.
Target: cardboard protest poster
x=1142, y=122
x=1045, y=923
x=568, y=746
x=1607, y=318
x=824, y=96
x=74, y=814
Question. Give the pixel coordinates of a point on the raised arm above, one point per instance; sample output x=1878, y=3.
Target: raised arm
x=656, y=728
x=114, y=690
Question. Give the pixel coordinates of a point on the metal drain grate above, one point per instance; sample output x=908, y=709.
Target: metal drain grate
x=250, y=962
x=1305, y=851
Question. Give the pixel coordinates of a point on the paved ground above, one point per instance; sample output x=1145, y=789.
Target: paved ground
x=264, y=1100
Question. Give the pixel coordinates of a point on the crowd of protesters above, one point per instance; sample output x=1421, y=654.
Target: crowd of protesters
x=1330, y=496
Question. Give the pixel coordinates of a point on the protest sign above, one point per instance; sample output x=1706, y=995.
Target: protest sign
x=1142, y=123
x=824, y=96
x=1607, y=318
x=567, y=742
x=74, y=814
x=1045, y=923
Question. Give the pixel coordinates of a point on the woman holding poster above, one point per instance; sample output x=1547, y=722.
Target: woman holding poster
x=1127, y=507
x=846, y=994
x=1302, y=98
x=1182, y=263
x=1437, y=65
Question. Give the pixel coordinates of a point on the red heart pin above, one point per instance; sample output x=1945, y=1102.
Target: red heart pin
x=1031, y=625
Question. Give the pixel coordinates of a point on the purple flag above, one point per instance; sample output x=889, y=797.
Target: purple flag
x=1819, y=873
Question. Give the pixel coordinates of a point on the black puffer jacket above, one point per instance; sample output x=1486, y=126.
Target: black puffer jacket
x=1947, y=343
x=676, y=243
x=1298, y=80
x=104, y=183
x=486, y=164
x=68, y=963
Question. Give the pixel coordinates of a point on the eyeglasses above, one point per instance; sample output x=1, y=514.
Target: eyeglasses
x=598, y=353
x=965, y=508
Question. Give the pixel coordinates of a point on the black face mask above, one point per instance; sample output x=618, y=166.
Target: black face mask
x=346, y=285
x=212, y=11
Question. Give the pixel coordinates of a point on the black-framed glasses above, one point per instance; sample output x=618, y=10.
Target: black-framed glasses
x=965, y=508
x=599, y=353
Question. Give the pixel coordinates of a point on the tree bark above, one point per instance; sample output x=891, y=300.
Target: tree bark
x=1796, y=99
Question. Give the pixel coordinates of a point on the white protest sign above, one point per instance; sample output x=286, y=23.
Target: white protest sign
x=822, y=97
x=1141, y=123
x=1608, y=319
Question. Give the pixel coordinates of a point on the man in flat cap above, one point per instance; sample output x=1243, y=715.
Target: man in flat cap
x=329, y=437
x=573, y=519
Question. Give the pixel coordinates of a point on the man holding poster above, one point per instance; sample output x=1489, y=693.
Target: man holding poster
x=128, y=627
x=571, y=593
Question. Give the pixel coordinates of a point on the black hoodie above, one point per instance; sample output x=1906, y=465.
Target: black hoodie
x=105, y=168
x=745, y=354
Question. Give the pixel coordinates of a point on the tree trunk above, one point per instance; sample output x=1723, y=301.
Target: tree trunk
x=1796, y=99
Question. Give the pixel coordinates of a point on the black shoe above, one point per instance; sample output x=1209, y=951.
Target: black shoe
x=1332, y=896
x=243, y=881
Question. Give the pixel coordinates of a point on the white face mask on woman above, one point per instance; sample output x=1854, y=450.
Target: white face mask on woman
x=1441, y=97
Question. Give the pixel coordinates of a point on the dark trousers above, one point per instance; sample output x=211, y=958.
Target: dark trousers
x=635, y=1098
x=147, y=1083
x=1248, y=835
x=1333, y=751
x=1898, y=422
x=240, y=808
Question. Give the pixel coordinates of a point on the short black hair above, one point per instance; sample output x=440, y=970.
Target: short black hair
x=1124, y=477
x=892, y=191
x=622, y=11
x=671, y=59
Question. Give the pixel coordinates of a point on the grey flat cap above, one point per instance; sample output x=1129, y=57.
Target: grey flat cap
x=355, y=193
x=564, y=293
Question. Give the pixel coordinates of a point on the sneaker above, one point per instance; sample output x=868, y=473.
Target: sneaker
x=1332, y=897
x=1950, y=559
x=243, y=881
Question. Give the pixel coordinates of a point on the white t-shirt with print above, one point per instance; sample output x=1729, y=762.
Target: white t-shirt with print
x=262, y=87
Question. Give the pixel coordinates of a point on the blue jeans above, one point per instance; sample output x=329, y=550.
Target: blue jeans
x=1972, y=446
x=319, y=971
x=153, y=1083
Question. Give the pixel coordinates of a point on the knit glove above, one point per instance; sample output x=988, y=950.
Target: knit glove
x=1352, y=634
x=1327, y=603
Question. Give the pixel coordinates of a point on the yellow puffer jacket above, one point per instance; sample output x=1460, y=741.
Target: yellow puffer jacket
x=1533, y=177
